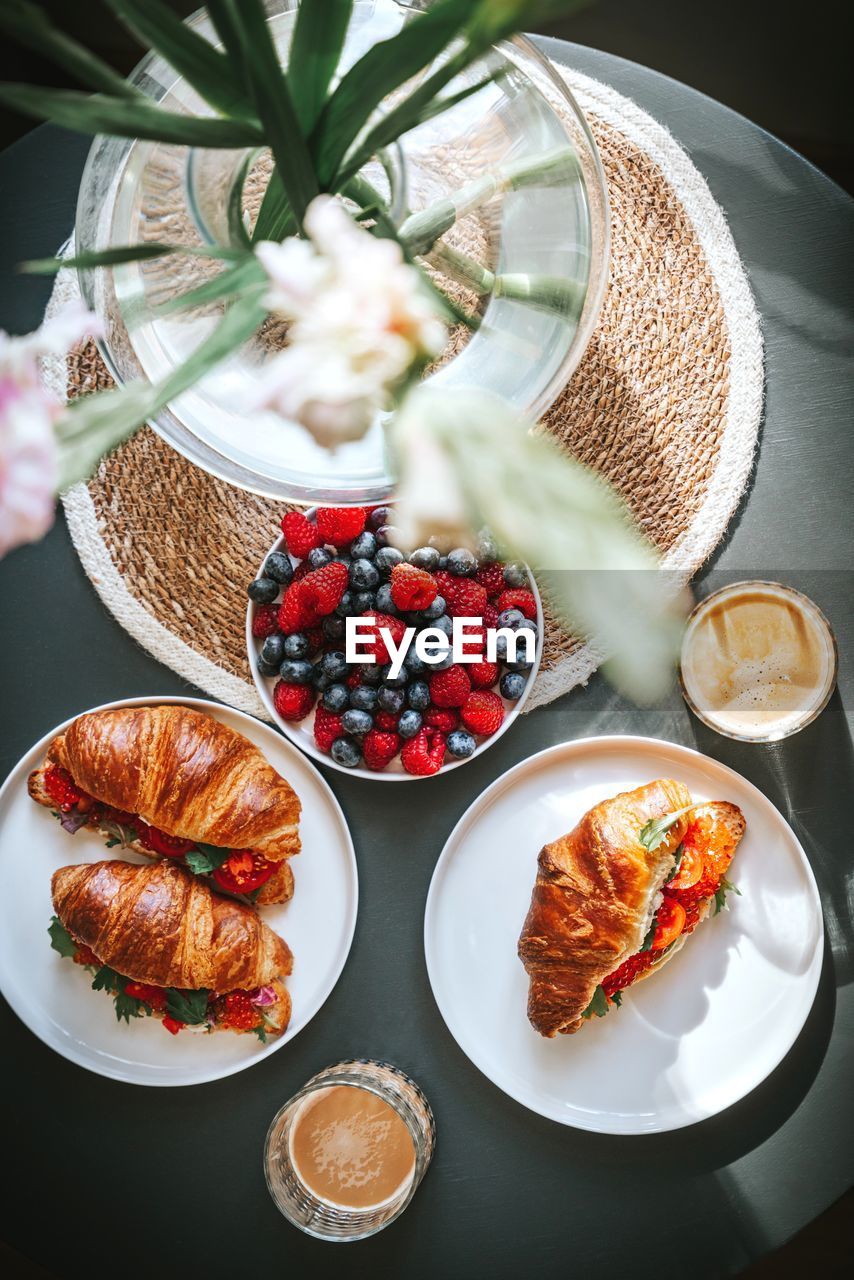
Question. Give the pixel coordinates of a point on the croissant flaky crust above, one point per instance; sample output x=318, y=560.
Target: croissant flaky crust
x=185, y=773
x=158, y=924
x=593, y=901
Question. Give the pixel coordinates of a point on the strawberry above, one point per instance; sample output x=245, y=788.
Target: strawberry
x=293, y=701
x=450, y=688
x=340, y=525
x=483, y=712
x=374, y=643
x=468, y=601
x=518, y=598
x=491, y=577
x=423, y=754
x=301, y=536
x=412, y=589
x=327, y=727
x=265, y=622
x=483, y=674
x=379, y=748
x=386, y=720
x=291, y=614
x=321, y=590
x=444, y=718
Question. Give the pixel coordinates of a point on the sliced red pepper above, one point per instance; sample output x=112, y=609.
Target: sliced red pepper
x=172, y=1025
x=154, y=997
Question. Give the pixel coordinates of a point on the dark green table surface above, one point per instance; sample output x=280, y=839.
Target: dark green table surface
x=111, y=1179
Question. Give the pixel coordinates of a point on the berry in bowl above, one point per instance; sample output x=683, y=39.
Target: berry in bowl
x=403, y=704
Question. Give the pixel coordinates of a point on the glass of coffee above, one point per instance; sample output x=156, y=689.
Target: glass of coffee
x=759, y=661
x=345, y=1155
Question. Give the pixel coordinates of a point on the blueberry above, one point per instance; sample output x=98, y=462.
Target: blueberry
x=333, y=627
x=346, y=607
x=379, y=516
x=334, y=665
x=336, y=697
x=460, y=744
x=268, y=669
x=357, y=722
x=413, y=663
x=418, y=695
x=521, y=663
x=512, y=685
x=278, y=567
x=385, y=604
x=435, y=610
x=296, y=671
x=425, y=558
x=371, y=672
x=318, y=557
x=501, y=648
x=364, y=547
x=296, y=645
x=394, y=682
x=444, y=662
x=462, y=563
x=263, y=590
x=319, y=679
x=409, y=724
x=443, y=562
x=515, y=574
x=387, y=535
x=363, y=601
x=443, y=623
x=487, y=548
x=363, y=698
x=344, y=751
x=387, y=558
x=512, y=618
x=390, y=699
x=273, y=649
x=364, y=576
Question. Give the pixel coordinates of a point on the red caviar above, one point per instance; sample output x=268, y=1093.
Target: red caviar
x=237, y=1011
x=64, y=793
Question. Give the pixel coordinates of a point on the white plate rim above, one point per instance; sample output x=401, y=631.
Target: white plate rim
x=220, y=1073
x=479, y=805
x=309, y=747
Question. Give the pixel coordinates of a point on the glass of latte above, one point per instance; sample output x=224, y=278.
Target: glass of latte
x=758, y=662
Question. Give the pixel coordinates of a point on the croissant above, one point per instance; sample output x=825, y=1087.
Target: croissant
x=158, y=926
x=599, y=891
x=182, y=773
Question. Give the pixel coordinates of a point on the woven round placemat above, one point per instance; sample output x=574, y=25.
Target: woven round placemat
x=666, y=403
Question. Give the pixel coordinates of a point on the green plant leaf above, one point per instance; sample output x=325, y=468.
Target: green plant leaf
x=210, y=72
x=275, y=217
x=126, y=118
x=190, y=1007
x=31, y=27
x=268, y=89
x=318, y=39
x=127, y=253
x=240, y=280
x=654, y=832
x=598, y=1005
x=96, y=423
x=60, y=939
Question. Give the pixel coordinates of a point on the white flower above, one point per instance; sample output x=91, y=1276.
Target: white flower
x=361, y=325
x=28, y=463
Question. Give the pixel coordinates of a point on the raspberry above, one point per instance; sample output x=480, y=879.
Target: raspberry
x=301, y=536
x=483, y=674
x=340, y=525
x=293, y=701
x=237, y=1011
x=412, y=589
x=354, y=679
x=450, y=688
x=373, y=642
x=444, y=718
x=321, y=590
x=423, y=754
x=491, y=577
x=302, y=570
x=468, y=601
x=379, y=748
x=327, y=727
x=490, y=616
x=291, y=617
x=265, y=621
x=446, y=583
x=518, y=598
x=316, y=639
x=483, y=712
x=385, y=720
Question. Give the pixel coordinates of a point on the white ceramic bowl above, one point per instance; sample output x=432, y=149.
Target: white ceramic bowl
x=301, y=732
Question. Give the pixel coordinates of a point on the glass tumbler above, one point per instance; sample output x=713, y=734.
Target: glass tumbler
x=300, y=1204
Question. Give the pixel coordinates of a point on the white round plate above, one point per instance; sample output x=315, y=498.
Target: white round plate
x=684, y=1045
x=53, y=996
x=301, y=732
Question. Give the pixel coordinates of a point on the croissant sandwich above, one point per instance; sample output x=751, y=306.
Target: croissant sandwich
x=162, y=943
x=172, y=782
x=617, y=898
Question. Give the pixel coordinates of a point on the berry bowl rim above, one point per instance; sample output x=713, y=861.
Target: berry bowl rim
x=300, y=733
